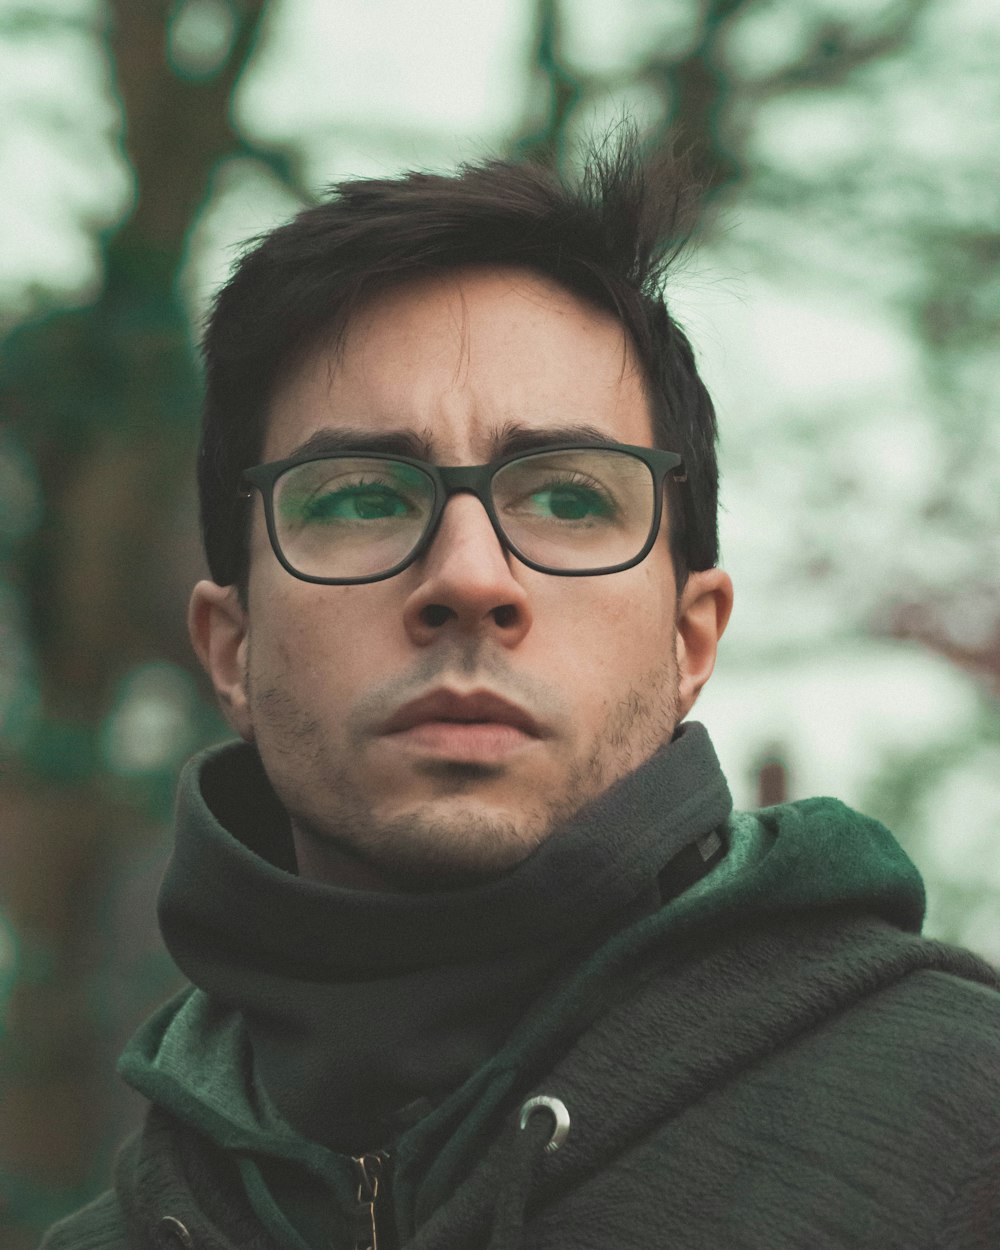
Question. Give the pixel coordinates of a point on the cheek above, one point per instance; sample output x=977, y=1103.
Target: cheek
x=323, y=644
x=642, y=600
x=299, y=636
x=613, y=627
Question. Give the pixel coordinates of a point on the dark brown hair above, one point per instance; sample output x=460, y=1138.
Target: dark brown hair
x=608, y=236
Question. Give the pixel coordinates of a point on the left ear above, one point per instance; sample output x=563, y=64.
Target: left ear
x=702, y=616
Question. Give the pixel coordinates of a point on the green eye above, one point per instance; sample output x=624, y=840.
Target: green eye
x=571, y=503
x=359, y=503
x=345, y=498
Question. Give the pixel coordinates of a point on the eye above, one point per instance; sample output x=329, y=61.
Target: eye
x=345, y=498
x=363, y=502
x=572, y=503
x=564, y=497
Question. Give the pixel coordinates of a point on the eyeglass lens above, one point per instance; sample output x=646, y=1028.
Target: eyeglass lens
x=351, y=516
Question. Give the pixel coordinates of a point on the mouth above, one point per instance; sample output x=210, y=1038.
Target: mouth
x=480, y=727
x=479, y=742
x=477, y=708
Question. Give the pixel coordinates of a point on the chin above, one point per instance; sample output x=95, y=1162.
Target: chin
x=430, y=849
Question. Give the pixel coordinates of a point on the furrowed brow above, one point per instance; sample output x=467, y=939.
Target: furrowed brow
x=507, y=439
x=513, y=437
x=357, y=439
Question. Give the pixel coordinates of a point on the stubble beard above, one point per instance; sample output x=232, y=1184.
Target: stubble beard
x=424, y=848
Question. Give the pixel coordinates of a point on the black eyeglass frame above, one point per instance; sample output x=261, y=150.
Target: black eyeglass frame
x=476, y=479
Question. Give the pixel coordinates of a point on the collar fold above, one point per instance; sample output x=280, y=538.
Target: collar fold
x=359, y=1003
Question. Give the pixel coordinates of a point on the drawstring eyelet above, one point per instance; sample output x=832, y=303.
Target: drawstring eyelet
x=514, y=1179
x=557, y=1109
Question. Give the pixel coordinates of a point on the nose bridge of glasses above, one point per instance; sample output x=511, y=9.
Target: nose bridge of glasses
x=472, y=480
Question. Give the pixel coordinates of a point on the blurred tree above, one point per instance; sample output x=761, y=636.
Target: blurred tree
x=104, y=400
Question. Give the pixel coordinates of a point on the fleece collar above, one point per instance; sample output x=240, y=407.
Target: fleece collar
x=363, y=1008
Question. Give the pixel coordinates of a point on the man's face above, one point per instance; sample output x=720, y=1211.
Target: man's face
x=605, y=665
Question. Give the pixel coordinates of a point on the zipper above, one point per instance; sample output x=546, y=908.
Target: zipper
x=372, y=1174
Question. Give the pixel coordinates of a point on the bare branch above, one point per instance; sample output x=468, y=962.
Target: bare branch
x=839, y=48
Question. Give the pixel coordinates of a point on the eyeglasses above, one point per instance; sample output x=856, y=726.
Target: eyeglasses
x=573, y=511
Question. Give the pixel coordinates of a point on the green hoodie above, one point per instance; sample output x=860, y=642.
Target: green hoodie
x=729, y=1057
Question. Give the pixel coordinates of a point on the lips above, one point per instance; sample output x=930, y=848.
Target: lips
x=445, y=705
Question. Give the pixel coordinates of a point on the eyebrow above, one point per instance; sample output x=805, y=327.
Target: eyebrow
x=509, y=438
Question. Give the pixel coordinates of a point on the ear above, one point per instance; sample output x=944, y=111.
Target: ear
x=219, y=629
x=702, y=615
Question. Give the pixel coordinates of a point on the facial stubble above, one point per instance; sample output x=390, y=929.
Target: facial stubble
x=425, y=848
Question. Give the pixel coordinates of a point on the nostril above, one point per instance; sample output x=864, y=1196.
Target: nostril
x=435, y=614
x=505, y=615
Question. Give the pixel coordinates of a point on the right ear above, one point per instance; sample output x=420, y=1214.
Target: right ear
x=219, y=629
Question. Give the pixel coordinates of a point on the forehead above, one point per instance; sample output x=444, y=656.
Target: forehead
x=456, y=360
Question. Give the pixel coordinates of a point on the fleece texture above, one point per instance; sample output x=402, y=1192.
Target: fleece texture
x=772, y=1057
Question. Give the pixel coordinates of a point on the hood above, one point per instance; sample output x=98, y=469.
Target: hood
x=365, y=1007
x=200, y=1057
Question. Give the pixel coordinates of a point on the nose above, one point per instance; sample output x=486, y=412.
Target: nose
x=466, y=580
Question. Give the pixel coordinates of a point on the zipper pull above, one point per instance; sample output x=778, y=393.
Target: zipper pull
x=372, y=1174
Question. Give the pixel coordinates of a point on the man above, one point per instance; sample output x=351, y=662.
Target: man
x=480, y=953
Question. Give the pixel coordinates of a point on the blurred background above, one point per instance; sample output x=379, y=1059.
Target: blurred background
x=843, y=298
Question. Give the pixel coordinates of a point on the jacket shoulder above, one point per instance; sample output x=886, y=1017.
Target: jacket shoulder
x=950, y=989
x=952, y=1027
x=960, y=1012
x=98, y=1226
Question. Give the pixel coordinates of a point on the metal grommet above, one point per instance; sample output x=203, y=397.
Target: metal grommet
x=171, y=1233
x=557, y=1109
